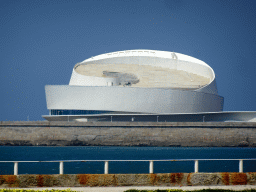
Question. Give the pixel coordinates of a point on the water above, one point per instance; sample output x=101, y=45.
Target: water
x=123, y=153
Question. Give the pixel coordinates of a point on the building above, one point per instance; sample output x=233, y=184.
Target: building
x=140, y=85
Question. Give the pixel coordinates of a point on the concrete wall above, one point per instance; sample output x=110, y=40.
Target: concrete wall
x=187, y=134
x=165, y=179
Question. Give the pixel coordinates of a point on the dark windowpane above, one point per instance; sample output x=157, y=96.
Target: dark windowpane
x=77, y=112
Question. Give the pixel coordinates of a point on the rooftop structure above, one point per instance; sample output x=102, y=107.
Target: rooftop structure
x=147, y=75
x=158, y=69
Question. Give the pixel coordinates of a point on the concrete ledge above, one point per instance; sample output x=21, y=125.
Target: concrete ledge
x=93, y=180
x=167, y=134
x=127, y=124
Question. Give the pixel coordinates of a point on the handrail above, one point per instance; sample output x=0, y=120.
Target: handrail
x=106, y=165
x=129, y=160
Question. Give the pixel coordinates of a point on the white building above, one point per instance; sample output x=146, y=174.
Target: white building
x=140, y=85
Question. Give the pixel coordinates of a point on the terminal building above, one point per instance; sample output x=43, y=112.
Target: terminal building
x=140, y=85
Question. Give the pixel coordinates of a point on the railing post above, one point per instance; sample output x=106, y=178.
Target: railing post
x=106, y=167
x=241, y=166
x=151, y=167
x=61, y=167
x=196, y=166
x=15, y=168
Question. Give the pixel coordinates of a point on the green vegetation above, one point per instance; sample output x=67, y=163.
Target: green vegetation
x=179, y=190
x=158, y=190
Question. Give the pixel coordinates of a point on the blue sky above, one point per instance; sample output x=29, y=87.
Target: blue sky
x=41, y=41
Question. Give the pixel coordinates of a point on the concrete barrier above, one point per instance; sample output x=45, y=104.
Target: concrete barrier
x=184, y=134
x=93, y=180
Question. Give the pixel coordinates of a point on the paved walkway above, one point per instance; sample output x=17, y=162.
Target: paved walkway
x=122, y=189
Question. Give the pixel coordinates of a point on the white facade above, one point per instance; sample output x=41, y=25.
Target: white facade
x=104, y=94
x=128, y=99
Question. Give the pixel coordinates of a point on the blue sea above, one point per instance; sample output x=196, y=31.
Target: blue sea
x=8, y=153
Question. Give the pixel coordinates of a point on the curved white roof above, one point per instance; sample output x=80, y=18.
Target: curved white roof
x=153, y=69
x=146, y=52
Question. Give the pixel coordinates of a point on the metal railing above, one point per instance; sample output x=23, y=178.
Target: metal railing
x=106, y=165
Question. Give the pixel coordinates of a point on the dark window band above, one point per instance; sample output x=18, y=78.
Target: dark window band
x=77, y=112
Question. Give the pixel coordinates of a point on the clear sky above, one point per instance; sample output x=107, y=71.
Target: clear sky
x=42, y=40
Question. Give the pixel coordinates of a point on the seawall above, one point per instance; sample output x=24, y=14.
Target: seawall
x=185, y=134
x=163, y=179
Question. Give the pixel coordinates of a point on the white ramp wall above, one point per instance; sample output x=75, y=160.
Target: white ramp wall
x=128, y=99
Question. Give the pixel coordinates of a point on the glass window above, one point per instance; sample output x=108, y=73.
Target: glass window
x=77, y=112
